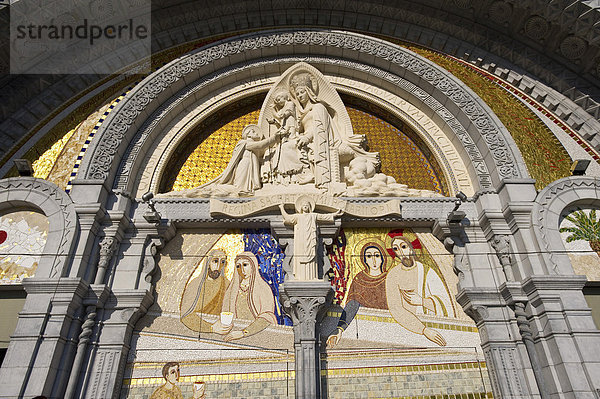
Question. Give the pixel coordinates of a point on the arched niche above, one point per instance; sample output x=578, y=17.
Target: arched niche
x=548, y=213
x=45, y=197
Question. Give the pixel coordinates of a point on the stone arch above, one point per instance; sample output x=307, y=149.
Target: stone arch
x=166, y=140
x=549, y=204
x=556, y=44
x=42, y=195
x=481, y=135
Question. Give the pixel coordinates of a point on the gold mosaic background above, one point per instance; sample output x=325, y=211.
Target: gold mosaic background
x=546, y=159
x=401, y=158
x=210, y=158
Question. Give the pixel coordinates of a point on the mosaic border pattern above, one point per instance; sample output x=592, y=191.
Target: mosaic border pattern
x=91, y=136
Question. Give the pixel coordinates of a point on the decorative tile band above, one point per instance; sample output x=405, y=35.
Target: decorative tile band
x=291, y=374
x=386, y=319
x=91, y=136
x=470, y=395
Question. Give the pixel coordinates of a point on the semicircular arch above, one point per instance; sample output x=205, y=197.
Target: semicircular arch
x=57, y=206
x=482, y=136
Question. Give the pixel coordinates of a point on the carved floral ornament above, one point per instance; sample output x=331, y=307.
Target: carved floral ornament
x=101, y=165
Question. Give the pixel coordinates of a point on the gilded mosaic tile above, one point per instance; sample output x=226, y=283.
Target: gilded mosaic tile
x=44, y=164
x=57, y=133
x=210, y=158
x=400, y=156
x=546, y=159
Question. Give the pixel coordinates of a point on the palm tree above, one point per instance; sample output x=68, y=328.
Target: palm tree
x=585, y=228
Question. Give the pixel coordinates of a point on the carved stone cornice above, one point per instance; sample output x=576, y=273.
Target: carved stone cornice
x=65, y=285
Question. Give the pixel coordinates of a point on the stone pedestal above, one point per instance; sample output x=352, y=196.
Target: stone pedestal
x=304, y=301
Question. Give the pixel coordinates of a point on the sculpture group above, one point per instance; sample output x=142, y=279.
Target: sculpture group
x=303, y=142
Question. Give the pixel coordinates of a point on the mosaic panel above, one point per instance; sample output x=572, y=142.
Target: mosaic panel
x=22, y=239
x=580, y=231
x=388, y=277
x=546, y=159
x=217, y=327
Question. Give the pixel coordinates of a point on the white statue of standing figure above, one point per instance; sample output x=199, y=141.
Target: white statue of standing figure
x=305, y=222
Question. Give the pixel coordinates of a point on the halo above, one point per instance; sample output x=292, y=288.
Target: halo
x=304, y=198
x=303, y=78
x=372, y=241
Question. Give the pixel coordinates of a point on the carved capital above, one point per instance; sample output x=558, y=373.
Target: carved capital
x=304, y=302
x=304, y=311
x=108, y=247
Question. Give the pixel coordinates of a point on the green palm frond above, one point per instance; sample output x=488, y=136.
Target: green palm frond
x=586, y=227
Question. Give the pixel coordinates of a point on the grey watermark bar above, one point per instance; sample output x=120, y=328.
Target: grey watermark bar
x=79, y=36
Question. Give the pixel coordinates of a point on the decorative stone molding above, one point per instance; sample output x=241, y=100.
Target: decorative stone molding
x=59, y=209
x=197, y=210
x=501, y=244
x=108, y=247
x=545, y=215
x=120, y=125
x=150, y=255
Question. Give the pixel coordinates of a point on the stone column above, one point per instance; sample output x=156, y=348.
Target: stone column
x=304, y=301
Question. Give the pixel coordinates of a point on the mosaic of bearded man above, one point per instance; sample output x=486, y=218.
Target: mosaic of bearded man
x=248, y=297
x=204, y=294
x=429, y=294
x=404, y=301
